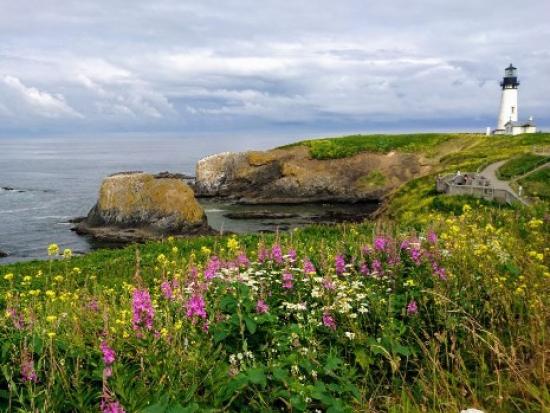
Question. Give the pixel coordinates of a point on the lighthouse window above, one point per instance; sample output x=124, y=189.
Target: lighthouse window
x=513, y=109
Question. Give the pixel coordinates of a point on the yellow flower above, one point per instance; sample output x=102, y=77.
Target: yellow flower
x=178, y=325
x=58, y=278
x=50, y=294
x=175, y=250
x=466, y=208
x=8, y=276
x=77, y=270
x=161, y=259
x=51, y=334
x=163, y=331
x=51, y=318
x=233, y=244
x=125, y=334
x=205, y=250
x=409, y=283
x=67, y=253
x=27, y=278
x=34, y=293
x=170, y=239
x=53, y=249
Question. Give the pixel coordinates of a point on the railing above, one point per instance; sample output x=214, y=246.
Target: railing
x=445, y=185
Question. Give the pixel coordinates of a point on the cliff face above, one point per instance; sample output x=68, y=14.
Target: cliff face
x=138, y=206
x=290, y=175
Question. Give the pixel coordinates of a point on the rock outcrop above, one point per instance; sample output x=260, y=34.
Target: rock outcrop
x=136, y=206
x=3, y=254
x=290, y=175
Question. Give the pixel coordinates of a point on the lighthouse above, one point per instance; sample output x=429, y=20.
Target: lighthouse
x=508, y=115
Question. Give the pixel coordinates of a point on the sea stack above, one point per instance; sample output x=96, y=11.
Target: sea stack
x=136, y=206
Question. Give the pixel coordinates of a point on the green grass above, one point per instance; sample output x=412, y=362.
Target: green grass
x=520, y=165
x=342, y=147
x=477, y=340
x=537, y=184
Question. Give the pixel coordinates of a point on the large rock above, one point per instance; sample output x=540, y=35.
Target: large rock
x=137, y=206
x=290, y=175
x=3, y=254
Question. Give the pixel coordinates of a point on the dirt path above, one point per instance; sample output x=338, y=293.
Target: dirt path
x=490, y=172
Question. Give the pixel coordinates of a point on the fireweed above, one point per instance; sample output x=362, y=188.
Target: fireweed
x=349, y=319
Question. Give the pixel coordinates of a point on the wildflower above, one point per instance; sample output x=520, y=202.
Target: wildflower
x=166, y=289
x=364, y=269
x=380, y=243
x=51, y=318
x=309, y=268
x=292, y=255
x=67, y=253
x=277, y=254
x=328, y=321
x=328, y=284
x=50, y=294
x=53, y=249
x=415, y=255
x=206, y=251
x=162, y=260
x=261, y=307
x=262, y=255
x=466, y=208
x=8, y=276
x=340, y=264
x=108, y=406
x=143, y=311
x=93, y=306
x=432, y=237
x=175, y=250
x=51, y=334
x=232, y=244
x=412, y=308
x=28, y=374
x=109, y=355
x=349, y=335
x=213, y=266
x=287, y=280
x=242, y=260
x=376, y=266
x=196, y=307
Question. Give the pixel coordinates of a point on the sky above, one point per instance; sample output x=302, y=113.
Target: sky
x=268, y=65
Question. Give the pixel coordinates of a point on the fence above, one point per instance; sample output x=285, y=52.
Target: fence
x=445, y=184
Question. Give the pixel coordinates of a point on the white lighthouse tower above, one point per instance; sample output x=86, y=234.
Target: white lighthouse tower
x=508, y=115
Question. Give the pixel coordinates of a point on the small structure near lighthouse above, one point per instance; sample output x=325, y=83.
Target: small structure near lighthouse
x=508, y=123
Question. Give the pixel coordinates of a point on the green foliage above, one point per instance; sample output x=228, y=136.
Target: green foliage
x=374, y=179
x=334, y=148
x=469, y=329
x=537, y=184
x=520, y=165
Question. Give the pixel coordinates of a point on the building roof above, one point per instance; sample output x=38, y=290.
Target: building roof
x=520, y=124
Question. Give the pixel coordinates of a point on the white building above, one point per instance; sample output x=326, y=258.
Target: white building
x=508, y=115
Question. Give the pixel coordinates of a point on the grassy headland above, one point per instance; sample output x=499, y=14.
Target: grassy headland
x=441, y=305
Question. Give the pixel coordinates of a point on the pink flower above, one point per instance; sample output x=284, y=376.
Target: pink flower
x=380, y=243
x=328, y=284
x=292, y=255
x=340, y=264
x=109, y=354
x=243, y=260
x=432, y=237
x=109, y=406
x=412, y=308
x=287, y=280
x=93, y=305
x=439, y=271
x=277, y=254
x=107, y=372
x=28, y=374
x=196, y=307
x=364, y=269
x=212, y=268
x=415, y=255
x=16, y=318
x=166, y=289
x=143, y=311
x=309, y=268
x=328, y=321
x=366, y=250
x=261, y=307
x=377, y=267
x=262, y=255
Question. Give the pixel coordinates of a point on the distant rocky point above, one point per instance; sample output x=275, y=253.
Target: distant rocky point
x=291, y=175
x=3, y=254
x=136, y=206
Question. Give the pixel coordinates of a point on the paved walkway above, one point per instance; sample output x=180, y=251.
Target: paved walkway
x=490, y=172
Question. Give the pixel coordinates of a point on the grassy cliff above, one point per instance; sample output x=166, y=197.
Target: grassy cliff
x=440, y=308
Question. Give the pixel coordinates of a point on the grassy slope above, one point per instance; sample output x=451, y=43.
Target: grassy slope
x=537, y=184
x=452, y=384
x=520, y=165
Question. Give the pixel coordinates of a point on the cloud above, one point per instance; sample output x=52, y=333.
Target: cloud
x=36, y=102
x=197, y=65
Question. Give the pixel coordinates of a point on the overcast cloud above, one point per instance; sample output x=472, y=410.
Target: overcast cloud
x=266, y=65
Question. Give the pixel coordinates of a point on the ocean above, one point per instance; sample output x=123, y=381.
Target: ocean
x=52, y=180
